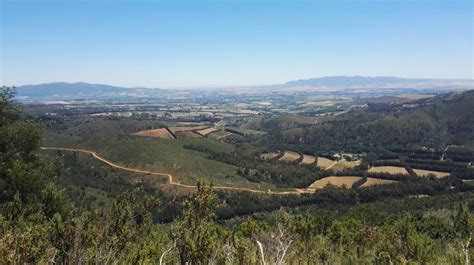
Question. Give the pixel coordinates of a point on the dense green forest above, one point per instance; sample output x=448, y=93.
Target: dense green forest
x=443, y=120
x=45, y=217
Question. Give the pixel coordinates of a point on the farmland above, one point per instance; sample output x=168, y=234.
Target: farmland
x=388, y=169
x=426, y=173
x=233, y=143
x=290, y=156
x=207, y=131
x=163, y=133
x=308, y=159
x=338, y=181
x=325, y=163
x=374, y=182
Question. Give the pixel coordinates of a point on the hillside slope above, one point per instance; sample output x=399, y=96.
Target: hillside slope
x=442, y=120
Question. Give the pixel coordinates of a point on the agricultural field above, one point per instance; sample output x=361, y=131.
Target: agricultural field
x=388, y=169
x=426, y=173
x=186, y=128
x=162, y=133
x=308, y=160
x=338, y=181
x=375, y=181
x=341, y=165
x=188, y=134
x=290, y=156
x=207, y=131
x=325, y=163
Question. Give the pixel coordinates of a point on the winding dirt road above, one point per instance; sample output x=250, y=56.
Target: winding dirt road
x=170, y=177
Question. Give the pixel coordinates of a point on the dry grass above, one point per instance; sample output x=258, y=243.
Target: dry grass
x=375, y=182
x=324, y=163
x=426, y=173
x=159, y=133
x=207, y=131
x=290, y=156
x=341, y=165
x=342, y=181
x=186, y=128
x=188, y=134
x=389, y=170
x=308, y=159
x=269, y=156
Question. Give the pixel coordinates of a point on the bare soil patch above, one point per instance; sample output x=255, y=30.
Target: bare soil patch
x=158, y=133
x=426, y=173
x=324, y=163
x=376, y=181
x=188, y=134
x=339, y=181
x=389, y=170
x=308, y=159
x=290, y=156
x=206, y=131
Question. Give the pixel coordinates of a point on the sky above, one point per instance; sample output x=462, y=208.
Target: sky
x=231, y=43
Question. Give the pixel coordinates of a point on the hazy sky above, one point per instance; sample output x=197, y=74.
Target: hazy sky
x=191, y=43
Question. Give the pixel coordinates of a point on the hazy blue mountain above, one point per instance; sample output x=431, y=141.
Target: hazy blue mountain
x=379, y=81
x=350, y=80
x=62, y=90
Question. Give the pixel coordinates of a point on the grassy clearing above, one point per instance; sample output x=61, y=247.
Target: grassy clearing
x=308, y=159
x=206, y=131
x=375, y=181
x=324, y=163
x=290, y=156
x=426, y=173
x=162, y=133
x=338, y=181
x=389, y=170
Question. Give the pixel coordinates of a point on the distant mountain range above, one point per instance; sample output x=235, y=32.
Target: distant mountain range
x=69, y=91
x=351, y=82
x=81, y=90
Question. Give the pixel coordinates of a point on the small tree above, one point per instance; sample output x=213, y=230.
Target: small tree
x=196, y=233
x=463, y=225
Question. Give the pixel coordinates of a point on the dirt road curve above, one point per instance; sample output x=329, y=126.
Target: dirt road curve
x=170, y=177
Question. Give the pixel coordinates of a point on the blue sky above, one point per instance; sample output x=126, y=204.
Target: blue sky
x=193, y=43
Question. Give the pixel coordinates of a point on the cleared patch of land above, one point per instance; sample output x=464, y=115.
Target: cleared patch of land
x=220, y=134
x=342, y=181
x=341, y=165
x=159, y=133
x=325, y=163
x=426, y=173
x=290, y=156
x=187, y=134
x=186, y=128
x=389, y=170
x=308, y=159
x=206, y=131
x=269, y=156
x=376, y=181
